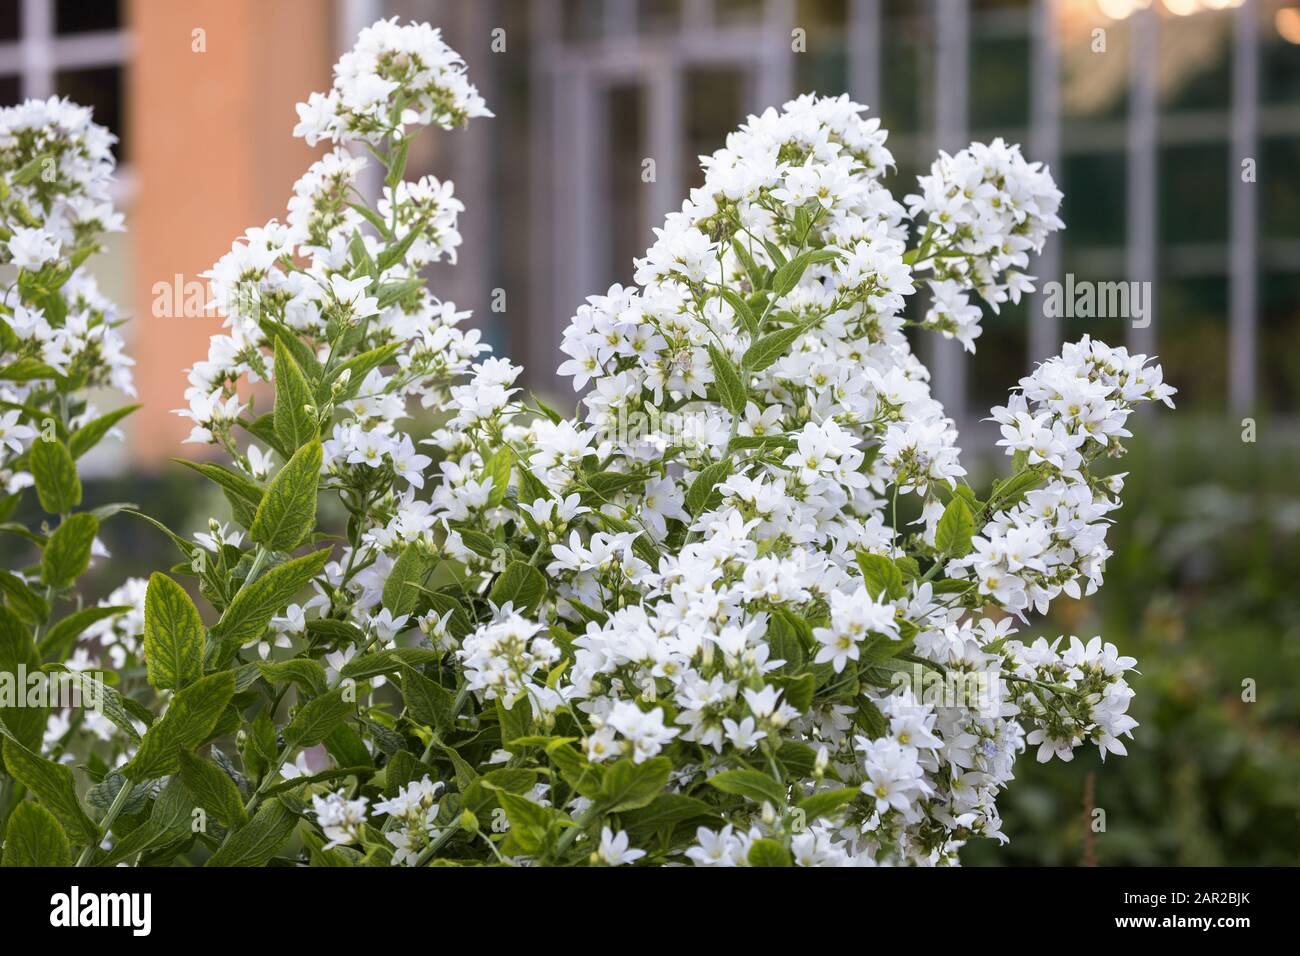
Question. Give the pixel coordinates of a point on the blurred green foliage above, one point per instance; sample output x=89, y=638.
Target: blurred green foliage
x=1204, y=590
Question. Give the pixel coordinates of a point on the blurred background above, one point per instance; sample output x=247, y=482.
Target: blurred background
x=1173, y=127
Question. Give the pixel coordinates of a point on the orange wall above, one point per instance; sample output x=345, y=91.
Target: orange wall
x=212, y=154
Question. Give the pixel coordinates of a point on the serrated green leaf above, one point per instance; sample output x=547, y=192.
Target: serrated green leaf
x=426, y=702
x=750, y=784
x=826, y=802
x=17, y=650
x=955, y=529
x=54, y=786
x=55, y=474
x=316, y=719
x=90, y=434
x=68, y=553
x=243, y=493
x=768, y=852
x=287, y=513
x=212, y=789
x=257, y=841
x=190, y=718
x=880, y=575
x=173, y=634
x=248, y=615
x=731, y=387
x=521, y=584
x=406, y=580
x=771, y=347
x=58, y=640
x=702, y=495
x=294, y=425
x=34, y=838
x=630, y=786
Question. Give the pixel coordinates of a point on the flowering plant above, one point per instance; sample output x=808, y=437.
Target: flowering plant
x=685, y=625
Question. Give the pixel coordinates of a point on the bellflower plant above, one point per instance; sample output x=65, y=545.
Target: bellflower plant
x=449, y=625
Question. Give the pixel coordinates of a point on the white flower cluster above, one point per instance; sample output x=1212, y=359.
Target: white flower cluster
x=394, y=78
x=1072, y=409
x=787, y=270
x=698, y=589
x=985, y=210
x=58, y=330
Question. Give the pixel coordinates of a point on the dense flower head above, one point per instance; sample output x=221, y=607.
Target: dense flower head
x=694, y=599
x=394, y=78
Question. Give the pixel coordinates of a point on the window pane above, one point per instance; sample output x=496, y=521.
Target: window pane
x=101, y=89
x=999, y=359
x=11, y=90
x=714, y=107
x=11, y=19
x=627, y=192
x=1192, y=336
x=1194, y=194
x=86, y=16
x=1000, y=83
x=1279, y=207
x=823, y=69
x=1279, y=331
x=1094, y=204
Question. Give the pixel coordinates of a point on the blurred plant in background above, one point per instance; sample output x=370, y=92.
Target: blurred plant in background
x=1202, y=590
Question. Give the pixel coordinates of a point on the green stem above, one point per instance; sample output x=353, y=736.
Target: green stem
x=114, y=809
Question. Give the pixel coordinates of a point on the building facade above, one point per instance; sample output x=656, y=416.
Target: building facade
x=1173, y=127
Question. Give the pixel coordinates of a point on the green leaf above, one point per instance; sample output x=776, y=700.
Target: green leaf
x=771, y=347
x=294, y=425
x=788, y=275
x=173, y=634
x=58, y=640
x=731, y=387
x=89, y=435
x=33, y=837
x=768, y=852
x=212, y=789
x=253, y=607
x=244, y=494
x=255, y=843
x=665, y=812
x=27, y=724
x=53, y=784
x=826, y=802
x=426, y=702
x=55, y=473
x=701, y=495
x=300, y=670
x=190, y=718
x=529, y=822
x=742, y=310
x=516, y=721
x=387, y=661
x=287, y=513
x=68, y=553
x=579, y=773
x=22, y=600
x=955, y=530
x=498, y=469
x=630, y=786
x=522, y=585
x=881, y=576
x=316, y=719
x=752, y=784
x=26, y=370
x=406, y=580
